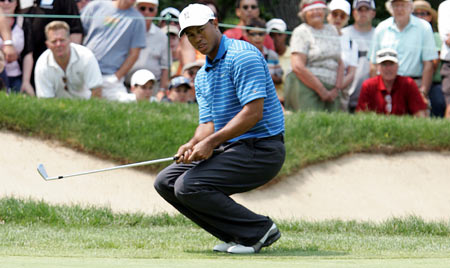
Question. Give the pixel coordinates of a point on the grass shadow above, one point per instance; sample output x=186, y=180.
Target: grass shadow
x=275, y=252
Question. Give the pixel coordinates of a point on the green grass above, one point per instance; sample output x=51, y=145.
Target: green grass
x=32, y=228
x=138, y=132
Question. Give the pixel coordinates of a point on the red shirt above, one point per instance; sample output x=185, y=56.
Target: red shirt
x=236, y=33
x=405, y=96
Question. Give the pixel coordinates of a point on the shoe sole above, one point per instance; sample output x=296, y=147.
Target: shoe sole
x=272, y=239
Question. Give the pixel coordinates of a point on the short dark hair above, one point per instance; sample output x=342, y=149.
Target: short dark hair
x=256, y=23
x=238, y=3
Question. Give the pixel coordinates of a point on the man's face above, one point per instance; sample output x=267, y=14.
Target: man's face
x=247, y=10
x=278, y=38
x=315, y=16
x=205, y=39
x=388, y=70
x=402, y=10
x=363, y=15
x=256, y=38
x=147, y=10
x=179, y=94
x=59, y=43
x=143, y=92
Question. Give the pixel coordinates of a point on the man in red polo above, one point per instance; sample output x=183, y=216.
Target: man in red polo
x=389, y=93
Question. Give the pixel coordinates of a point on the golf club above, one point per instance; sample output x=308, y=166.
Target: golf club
x=44, y=175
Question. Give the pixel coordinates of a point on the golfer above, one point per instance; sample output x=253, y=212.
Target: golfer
x=241, y=116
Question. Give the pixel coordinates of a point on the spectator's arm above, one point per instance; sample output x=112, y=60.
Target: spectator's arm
x=26, y=76
x=164, y=82
x=298, y=62
x=5, y=32
x=349, y=76
x=373, y=70
x=128, y=63
x=427, y=76
x=340, y=76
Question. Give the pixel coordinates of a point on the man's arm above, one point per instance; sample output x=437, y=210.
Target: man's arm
x=427, y=76
x=128, y=63
x=26, y=76
x=248, y=117
x=96, y=92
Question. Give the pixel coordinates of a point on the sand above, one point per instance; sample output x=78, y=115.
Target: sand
x=357, y=187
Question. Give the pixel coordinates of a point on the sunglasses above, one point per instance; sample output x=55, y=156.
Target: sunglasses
x=249, y=7
x=339, y=14
x=261, y=34
x=421, y=14
x=64, y=79
x=11, y=1
x=388, y=100
x=387, y=54
x=150, y=9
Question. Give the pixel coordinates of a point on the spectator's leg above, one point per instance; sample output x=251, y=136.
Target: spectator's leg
x=437, y=101
x=445, y=74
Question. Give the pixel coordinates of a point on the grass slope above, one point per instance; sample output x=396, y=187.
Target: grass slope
x=137, y=132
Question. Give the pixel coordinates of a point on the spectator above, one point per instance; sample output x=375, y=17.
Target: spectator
x=154, y=57
x=256, y=38
x=13, y=69
x=338, y=16
x=444, y=32
x=190, y=72
x=277, y=31
x=115, y=32
x=423, y=10
x=174, y=41
x=390, y=93
x=171, y=15
x=178, y=90
x=3, y=76
x=361, y=32
x=65, y=69
x=142, y=84
x=317, y=67
x=34, y=31
x=245, y=11
x=410, y=35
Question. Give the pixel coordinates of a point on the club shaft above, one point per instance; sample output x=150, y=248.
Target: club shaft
x=114, y=168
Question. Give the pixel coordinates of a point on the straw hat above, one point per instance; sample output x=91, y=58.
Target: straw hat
x=424, y=5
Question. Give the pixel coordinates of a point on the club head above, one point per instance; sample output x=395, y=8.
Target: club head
x=42, y=171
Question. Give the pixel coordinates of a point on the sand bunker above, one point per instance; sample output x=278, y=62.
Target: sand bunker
x=360, y=187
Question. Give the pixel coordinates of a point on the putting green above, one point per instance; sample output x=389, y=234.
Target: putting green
x=71, y=262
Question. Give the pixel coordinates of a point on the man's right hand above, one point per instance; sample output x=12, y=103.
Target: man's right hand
x=10, y=53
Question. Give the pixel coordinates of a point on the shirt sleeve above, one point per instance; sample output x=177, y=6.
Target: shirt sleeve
x=250, y=73
x=139, y=34
x=44, y=87
x=300, y=41
x=93, y=73
x=429, y=51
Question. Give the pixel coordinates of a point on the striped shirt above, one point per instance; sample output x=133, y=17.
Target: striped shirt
x=237, y=76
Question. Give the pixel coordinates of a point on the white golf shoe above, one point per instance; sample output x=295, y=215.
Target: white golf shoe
x=268, y=239
x=223, y=247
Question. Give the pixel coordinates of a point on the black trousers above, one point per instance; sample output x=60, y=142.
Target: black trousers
x=201, y=191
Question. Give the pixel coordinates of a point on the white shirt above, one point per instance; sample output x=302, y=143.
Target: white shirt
x=82, y=74
x=444, y=28
x=349, y=51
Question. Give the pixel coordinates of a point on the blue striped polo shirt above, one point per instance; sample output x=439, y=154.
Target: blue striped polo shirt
x=237, y=76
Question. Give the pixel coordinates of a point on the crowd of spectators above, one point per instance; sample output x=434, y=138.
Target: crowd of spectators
x=116, y=50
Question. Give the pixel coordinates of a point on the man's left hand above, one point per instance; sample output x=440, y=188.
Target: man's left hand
x=201, y=151
x=10, y=53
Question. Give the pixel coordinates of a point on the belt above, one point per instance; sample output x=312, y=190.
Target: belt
x=279, y=137
x=416, y=77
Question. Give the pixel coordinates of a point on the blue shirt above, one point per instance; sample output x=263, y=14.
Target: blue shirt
x=237, y=76
x=414, y=44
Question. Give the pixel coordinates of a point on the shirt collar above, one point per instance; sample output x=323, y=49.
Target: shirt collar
x=382, y=87
x=412, y=22
x=223, y=47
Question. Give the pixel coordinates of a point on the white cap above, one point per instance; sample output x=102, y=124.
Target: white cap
x=170, y=10
x=386, y=54
x=194, y=15
x=155, y=2
x=341, y=5
x=141, y=77
x=170, y=29
x=276, y=24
